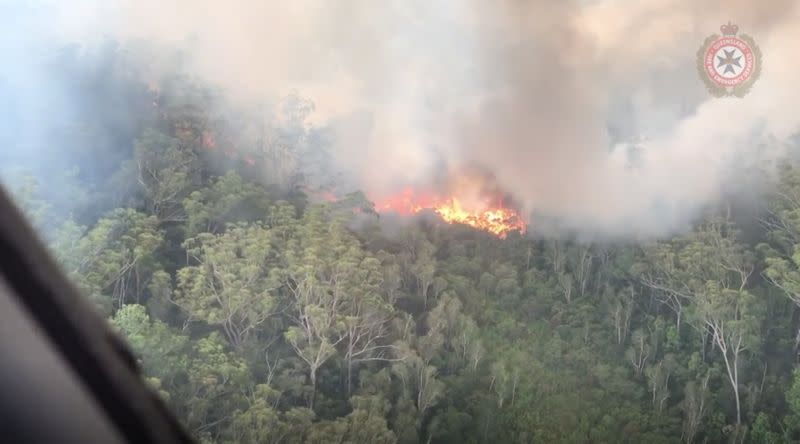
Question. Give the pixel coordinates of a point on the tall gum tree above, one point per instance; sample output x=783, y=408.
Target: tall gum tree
x=233, y=281
x=710, y=270
x=327, y=277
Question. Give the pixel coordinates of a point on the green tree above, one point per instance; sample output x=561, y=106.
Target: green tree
x=162, y=351
x=420, y=385
x=230, y=199
x=336, y=296
x=761, y=431
x=234, y=282
x=214, y=389
x=114, y=262
x=792, y=419
x=695, y=406
x=711, y=270
x=165, y=173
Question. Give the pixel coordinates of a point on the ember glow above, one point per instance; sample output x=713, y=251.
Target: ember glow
x=494, y=218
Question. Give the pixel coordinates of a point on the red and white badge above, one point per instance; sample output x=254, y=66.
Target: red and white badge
x=729, y=64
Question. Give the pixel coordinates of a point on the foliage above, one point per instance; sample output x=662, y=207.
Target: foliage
x=263, y=318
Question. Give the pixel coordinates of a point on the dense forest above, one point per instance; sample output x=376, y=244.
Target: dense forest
x=262, y=314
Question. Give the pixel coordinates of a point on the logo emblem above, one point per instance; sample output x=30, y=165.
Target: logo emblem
x=729, y=64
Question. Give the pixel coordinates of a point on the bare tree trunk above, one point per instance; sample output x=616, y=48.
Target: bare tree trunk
x=733, y=374
x=313, y=376
x=735, y=383
x=349, y=375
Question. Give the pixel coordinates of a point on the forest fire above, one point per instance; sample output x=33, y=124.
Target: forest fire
x=487, y=214
x=494, y=218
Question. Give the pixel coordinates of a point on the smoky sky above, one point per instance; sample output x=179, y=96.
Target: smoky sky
x=547, y=97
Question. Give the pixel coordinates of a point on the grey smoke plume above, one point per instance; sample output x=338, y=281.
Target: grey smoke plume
x=542, y=95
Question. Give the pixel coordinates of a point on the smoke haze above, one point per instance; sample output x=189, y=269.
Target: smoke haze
x=544, y=96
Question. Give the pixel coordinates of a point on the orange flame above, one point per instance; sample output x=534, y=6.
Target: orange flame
x=496, y=219
x=209, y=142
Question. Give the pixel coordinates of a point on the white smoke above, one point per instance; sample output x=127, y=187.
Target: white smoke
x=540, y=94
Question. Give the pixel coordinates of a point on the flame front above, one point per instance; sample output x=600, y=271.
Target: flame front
x=496, y=219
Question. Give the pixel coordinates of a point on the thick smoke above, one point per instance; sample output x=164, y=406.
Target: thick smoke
x=545, y=96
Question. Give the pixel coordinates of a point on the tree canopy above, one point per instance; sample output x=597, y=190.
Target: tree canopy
x=263, y=316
